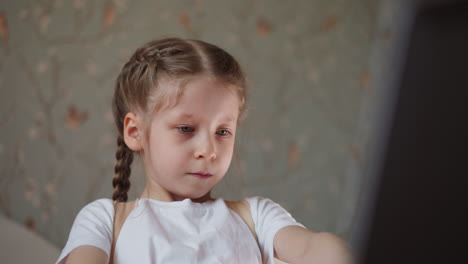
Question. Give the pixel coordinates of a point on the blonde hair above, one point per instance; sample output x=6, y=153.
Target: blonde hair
x=137, y=88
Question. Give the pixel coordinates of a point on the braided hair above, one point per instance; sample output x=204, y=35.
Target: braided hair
x=137, y=88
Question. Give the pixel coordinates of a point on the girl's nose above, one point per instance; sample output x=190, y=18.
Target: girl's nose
x=206, y=149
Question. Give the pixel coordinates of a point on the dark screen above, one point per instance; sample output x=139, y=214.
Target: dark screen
x=421, y=209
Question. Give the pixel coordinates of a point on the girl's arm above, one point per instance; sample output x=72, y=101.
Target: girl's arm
x=295, y=244
x=87, y=254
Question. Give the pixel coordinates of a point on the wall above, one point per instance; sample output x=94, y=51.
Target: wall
x=307, y=62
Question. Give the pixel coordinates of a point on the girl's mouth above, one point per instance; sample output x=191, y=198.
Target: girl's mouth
x=201, y=174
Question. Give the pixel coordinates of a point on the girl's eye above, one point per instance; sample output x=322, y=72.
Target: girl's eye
x=185, y=129
x=223, y=132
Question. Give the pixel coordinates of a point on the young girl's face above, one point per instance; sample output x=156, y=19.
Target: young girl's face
x=191, y=144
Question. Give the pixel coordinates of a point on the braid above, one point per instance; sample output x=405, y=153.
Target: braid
x=146, y=56
x=121, y=182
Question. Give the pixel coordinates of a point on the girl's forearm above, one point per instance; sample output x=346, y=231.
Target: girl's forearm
x=326, y=248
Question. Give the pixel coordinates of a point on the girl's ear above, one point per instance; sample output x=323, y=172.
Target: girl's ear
x=132, y=132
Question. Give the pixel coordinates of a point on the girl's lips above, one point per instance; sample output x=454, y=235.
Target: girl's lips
x=201, y=174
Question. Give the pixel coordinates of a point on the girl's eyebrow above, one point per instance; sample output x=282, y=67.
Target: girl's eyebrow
x=184, y=116
x=226, y=119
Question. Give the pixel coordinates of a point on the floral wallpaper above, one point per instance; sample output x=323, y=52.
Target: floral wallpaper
x=307, y=62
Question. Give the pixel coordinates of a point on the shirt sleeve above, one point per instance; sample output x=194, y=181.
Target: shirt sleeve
x=268, y=217
x=92, y=226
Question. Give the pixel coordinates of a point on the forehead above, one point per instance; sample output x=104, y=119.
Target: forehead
x=203, y=98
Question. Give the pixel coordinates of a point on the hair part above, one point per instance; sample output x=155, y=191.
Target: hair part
x=138, y=88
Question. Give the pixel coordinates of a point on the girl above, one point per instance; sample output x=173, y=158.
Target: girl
x=177, y=103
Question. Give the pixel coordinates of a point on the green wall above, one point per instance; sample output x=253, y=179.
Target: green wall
x=301, y=144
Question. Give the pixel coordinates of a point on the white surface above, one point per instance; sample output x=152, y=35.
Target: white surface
x=19, y=245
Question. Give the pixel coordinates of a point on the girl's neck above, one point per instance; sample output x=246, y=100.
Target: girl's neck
x=170, y=197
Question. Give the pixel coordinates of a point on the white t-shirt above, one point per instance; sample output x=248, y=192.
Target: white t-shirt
x=181, y=231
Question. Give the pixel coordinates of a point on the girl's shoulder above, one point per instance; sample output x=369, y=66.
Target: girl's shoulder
x=258, y=205
x=92, y=226
x=257, y=202
x=252, y=200
x=264, y=210
x=99, y=206
x=98, y=212
x=104, y=208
